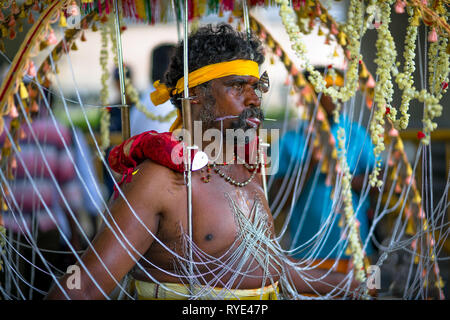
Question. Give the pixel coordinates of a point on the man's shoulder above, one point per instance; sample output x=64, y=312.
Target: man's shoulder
x=151, y=180
x=155, y=169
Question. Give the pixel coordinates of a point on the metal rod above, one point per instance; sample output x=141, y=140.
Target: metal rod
x=124, y=111
x=262, y=161
x=246, y=19
x=187, y=124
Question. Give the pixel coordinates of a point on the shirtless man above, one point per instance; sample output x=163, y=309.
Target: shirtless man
x=158, y=196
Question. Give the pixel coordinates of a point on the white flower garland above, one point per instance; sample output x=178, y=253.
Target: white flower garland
x=105, y=117
x=353, y=30
x=349, y=214
x=405, y=80
x=386, y=55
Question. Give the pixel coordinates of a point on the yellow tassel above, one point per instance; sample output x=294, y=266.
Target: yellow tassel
x=334, y=154
x=393, y=173
x=320, y=33
x=316, y=143
x=300, y=81
x=440, y=284
x=410, y=228
x=140, y=9
x=304, y=114
x=416, y=18
x=55, y=56
x=348, y=251
x=201, y=7
x=308, y=98
x=74, y=47
x=335, y=54
x=22, y=14
x=364, y=74
x=2, y=125
x=324, y=168
x=417, y=199
x=23, y=91
x=408, y=170
x=43, y=45
x=62, y=20
x=342, y=39
x=399, y=145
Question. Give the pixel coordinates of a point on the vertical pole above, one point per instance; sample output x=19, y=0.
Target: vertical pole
x=124, y=110
x=246, y=19
x=262, y=146
x=187, y=124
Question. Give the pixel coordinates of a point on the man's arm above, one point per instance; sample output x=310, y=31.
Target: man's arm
x=330, y=282
x=146, y=198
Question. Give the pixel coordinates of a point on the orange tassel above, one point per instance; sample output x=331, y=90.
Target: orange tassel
x=30, y=18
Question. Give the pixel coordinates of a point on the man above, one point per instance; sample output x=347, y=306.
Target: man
x=233, y=250
x=160, y=59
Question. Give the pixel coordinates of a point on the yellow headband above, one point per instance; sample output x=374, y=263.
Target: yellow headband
x=202, y=75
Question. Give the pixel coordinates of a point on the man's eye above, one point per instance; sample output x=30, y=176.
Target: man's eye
x=237, y=86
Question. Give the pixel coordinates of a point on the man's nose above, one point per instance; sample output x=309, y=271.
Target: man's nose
x=251, y=98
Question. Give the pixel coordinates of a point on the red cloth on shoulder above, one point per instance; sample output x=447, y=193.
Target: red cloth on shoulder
x=163, y=148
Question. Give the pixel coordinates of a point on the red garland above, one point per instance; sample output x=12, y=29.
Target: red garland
x=150, y=144
x=159, y=147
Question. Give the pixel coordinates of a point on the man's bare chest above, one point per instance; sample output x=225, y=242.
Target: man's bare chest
x=220, y=213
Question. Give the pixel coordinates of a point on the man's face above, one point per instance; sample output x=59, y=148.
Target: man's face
x=235, y=96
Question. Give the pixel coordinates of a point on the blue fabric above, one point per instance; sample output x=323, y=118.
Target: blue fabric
x=315, y=211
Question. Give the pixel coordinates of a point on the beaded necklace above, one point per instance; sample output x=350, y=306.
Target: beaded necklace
x=252, y=168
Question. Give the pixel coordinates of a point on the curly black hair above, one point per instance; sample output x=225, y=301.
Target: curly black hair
x=212, y=44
